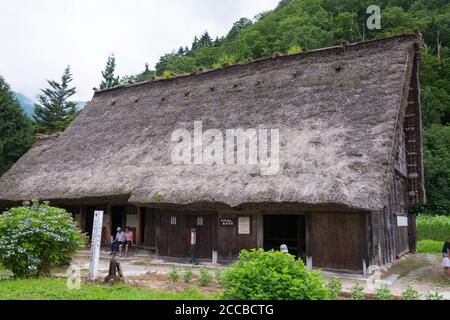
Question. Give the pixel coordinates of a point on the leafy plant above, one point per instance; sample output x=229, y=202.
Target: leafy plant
x=263, y=275
x=205, y=276
x=434, y=295
x=219, y=276
x=334, y=288
x=37, y=237
x=410, y=294
x=383, y=293
x=174, y=274
x=187, y=275
x=357, y=291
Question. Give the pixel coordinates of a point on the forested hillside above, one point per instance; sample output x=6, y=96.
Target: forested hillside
x=299, y=24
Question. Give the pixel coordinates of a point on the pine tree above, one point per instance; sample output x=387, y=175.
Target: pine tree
x=109, y=79
x=16, y=132
x=54, y=112
x=205, y=40
x=195, y=44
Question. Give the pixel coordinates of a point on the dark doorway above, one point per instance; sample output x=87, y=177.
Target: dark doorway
x=117, y=218
x=89, y=221
x=285, y=229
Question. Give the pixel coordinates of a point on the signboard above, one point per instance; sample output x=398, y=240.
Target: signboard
x=244, y=225
x=402, y=221
x=226, y=222
x=95, y=244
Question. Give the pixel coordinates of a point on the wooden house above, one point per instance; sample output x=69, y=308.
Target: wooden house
x=350, y=158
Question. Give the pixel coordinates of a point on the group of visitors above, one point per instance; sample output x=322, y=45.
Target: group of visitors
x=123, y=239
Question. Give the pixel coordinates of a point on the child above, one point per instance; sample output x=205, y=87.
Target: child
x=446, y=259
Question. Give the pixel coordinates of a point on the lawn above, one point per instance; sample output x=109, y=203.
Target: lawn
x=430, y=246
x=56, y=289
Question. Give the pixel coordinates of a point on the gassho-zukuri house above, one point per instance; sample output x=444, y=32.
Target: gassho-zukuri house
x=319, y=150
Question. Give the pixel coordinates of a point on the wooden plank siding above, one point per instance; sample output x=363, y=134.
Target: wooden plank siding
x=337, y=240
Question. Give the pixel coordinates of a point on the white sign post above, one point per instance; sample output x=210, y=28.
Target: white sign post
x=95, y=244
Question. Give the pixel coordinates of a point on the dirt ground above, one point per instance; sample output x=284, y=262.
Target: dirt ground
x=420, y=270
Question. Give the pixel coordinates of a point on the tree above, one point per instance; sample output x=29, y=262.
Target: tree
x=54, y=112
x=109, y=79
x=205, y=40
x=16, y=132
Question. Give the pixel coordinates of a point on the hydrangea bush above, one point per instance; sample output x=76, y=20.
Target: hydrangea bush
x=37, y=237
x=263, y=275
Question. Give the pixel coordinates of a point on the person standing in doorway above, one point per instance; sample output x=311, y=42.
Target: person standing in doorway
x=193, y=241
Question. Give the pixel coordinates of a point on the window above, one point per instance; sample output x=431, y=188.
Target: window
x=173, y=220
x=244, y=225
x=199, y=221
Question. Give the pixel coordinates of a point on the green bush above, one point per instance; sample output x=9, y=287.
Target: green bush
x=174, y=274
x=410, y=294
x=334, y=288
x=262, y=275
x=187, y=275
x=430, y=246
x=433, y=227
x=383, y=293
x=205, y=277
x=357, y=291
x=36, y=237
x=219, y=276
x=434, y=295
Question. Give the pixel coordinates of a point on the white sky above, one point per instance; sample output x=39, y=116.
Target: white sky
x=40, y=37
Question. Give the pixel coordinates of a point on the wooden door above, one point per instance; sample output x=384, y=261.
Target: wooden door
x=204, y=228
x=173, y=235
x=149, y=229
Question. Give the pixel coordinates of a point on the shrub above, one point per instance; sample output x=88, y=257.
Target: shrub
x=357, y=291
x=435, y=227
x=187, y=275
x=383, y=293
x=262, y=275
x=37, y=237
x=205, y=277
x=334, y=288
x=219, y=276
x=410, y=294
x=174, y=274
x=434, y=295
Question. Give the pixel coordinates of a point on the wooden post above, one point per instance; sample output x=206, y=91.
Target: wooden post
x=108, y=223
x=115, y=273
x=259, y=230
x=308, y=222
x=138, y=225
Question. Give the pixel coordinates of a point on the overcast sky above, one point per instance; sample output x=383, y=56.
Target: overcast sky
x=40, y=37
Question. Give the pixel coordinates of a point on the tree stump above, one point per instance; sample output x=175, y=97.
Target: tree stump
x=115, y=274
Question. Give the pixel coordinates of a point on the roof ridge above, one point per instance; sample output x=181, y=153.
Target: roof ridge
x=416, y=34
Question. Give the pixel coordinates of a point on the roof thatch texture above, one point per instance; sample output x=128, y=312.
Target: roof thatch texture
x=336, y=108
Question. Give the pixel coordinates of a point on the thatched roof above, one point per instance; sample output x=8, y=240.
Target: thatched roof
x=336, y=108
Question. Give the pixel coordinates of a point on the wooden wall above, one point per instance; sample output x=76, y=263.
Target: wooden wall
x=337, y=240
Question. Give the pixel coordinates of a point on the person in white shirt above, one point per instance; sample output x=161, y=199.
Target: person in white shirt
x=119, y=239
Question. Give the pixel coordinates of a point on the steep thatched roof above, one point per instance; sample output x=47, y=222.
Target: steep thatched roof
x=336, y=108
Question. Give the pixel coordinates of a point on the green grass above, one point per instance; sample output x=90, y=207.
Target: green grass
x=433, y=227
x=430, y=246
x=56, y=289
x=4, y=273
